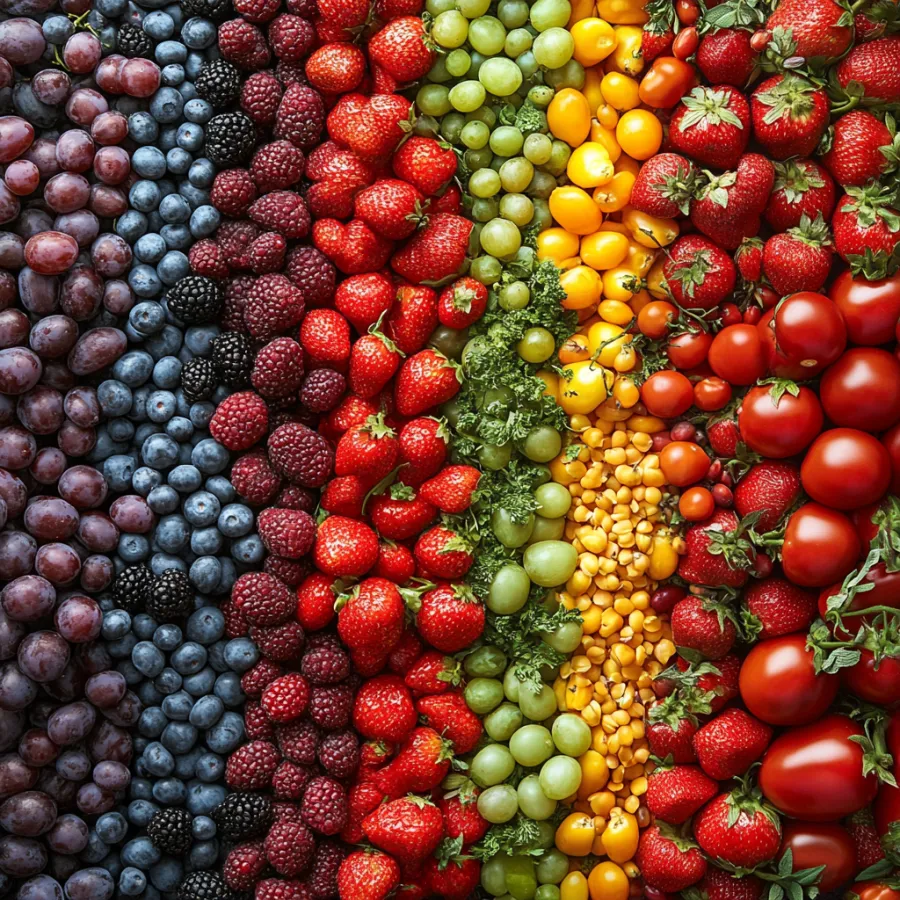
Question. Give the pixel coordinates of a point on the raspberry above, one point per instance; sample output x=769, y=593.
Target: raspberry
x=262, y=599
x=279, y=642
x=322, y=878
x=290, y=571
x=240, y=420
x=293, y=497
x=315, y=602
x=254, y=479
x=274, y=306
x=278, y=889
x=289, y=847
x=305, y=8
x=232, y=192
x=243, y=865
x=298, y=742
x=277, y=166
x=286, y=698
x=286, y=532
x=257, y=11
x=290, y=780
x=260, y=96
x=330, y=706
x=339, y=753
x=322, y=390
x=324, y=807
x=300, y=116
x=325, y=662
x=206, y=258
x=325, y=336
x=313, y=273
x=278, y=368
x=243, y=44
x=255, y=680
x=235, y=238
x=290, y=73
x=235, y=623
x=256, y=723
x=266, y=253
x=252, y=766
x=282, y=211
x=301, y=455
x=291, y=37
x=286, y=811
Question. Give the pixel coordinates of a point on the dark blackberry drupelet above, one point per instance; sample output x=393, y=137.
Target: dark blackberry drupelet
x=232, y=354
x=195, y=300
x=230, y=139
x=217, y=10
x=132, y=587
x=170, y=830
x=242, y=816
x=205, y=886
x=171, y=597
x=198, y=379
x=219, y=83
x=132, y=41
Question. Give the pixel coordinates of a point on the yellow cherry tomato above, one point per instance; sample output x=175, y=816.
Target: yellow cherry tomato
x=621, y=284
x=620, y=837
x=594, y=769
x=663, y=557
x=617, y=227
x=574, y=887
x=606, y=137
x=556, y=244
x=594, y=41
x=656, y=281
x=615, y=311
x=574, y=210
x=607, y=116
x=575, y=349
x=551, y=383
x=575, y=835
x=569, y=117
x=604, y=249
x=627, y=58
x=606, y=341
x=615, y=195
x=640, y=259
x=581, y=9
x=627, y=164
x=649, y=231
x=591, y=88
x=608, y=881
x=639, y=133
x=583, y=390
x=620, y=91
x=626, y=394
x=582, y=287
x=589, y=165
x=623, y=12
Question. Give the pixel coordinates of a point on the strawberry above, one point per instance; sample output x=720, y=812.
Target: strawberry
x=409, y=828
x=770, y=489
x=800, y=258
x=362, y=798
x=368, y=875
x=450, y=201
x=371, y=127
x=449, y=714
x=802, y=188
x=444, y=553
x=423, y=449
x=454, y=876
x=370, y=448
x=717, y=552
x=400, y=514
x=665, y=185
x=867, y=230
x=315, y=602
x=344, y=496
x=450, y=617
x=790, y=115
x=869, y=851
x=700, y=625
x=392, y=9
x=719, y=884
x=337, y=175
x=420, y=766
x=371, y=615
x=344, y=13
x=462, y=303
x=774, y=606
x=402, y=49
x=668, y=862
x=433, y=673
x=325, y=336
x=362, y=299
x=818, y=30
x=861, y=147
x=749, y=259
x=374, y=359
x=413, y=318
x=659, y=31
x=452, y=488
x=383, y=710
x=729, y=744
x=671, y=727
x=435, y=252
x=724, y=437
x=426, y=380
x=426, y=163
x=352, y=410
x=390, y=207
x=344, y=547
x=408, y=649
x=461, y=817
x=354, y=248
x=718, y=681
x=712, y=126
x=675, y=794
x=699, y=274
x=875, y=68
x=726, y=57
x=336, y=68
x=739, y=828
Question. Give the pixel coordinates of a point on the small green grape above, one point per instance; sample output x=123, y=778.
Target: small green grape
x=488, y=270
x=433, y=99
x=516, y=174
x=452, y=126
x=484, y=183
x=472, y=9
x=485, y=114
x=537, y=149
x=515, y=295
x=458, y=62
x=500, y=76
x=479, y=159
x=517, y=42
x=554, y=47
x=474, y=135
x=487, y=35
x=517, y=208
x=485, y=208
x=506, y=140
x=550, y=14
x=450, y=29
x=512, y=13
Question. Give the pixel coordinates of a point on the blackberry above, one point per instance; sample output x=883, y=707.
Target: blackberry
x=230, y=139
x=198, y=379
x=205, y=886
x=172, y=597
x=132, y=40
x=195, y=300
x=243, y=816
x=170, y=830
x=217, y=10
x=219, y=83
x=132, y=587
x=232, y=354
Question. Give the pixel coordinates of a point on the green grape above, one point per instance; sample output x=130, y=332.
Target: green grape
x=531, y=745
x=479, y=159
x=509, y=589
x=452, y=126
x=500, y=237
x=503, y=722
x=472, y=9
x=506, y=141
x=560, y=777
x=450, y=29
x=497, y=162
x=474, y=236
x=550, y=14
x=478, y=60
x=542, y=444
x=487, y=35
x=485, y=662
x=537, y=345
x=475, y=135
x=553, y=500
x=450, y=341
x=517, y=42
x=467, y=95
x=491, y=456
x=483, y=695
x=451, y=412
x=532, y=800
x=485, y=209
x=493, y=875
x=498, y=803
x=488, y=270
x=517, y=208
x=501, y=76
x=537, y=149
x=436, y=7
x=553, y=48
x=458, y=62
x=550, y=563
x=559, y=158
x=571, y=734
x=565, y=638
x=484, y=183
x=570, y=75
x=542, y=216
x=496, y=401
x=541, y=95
x=426, y=126
x=513, y=296
x=546, y=836
x=547, y=530
x=511, y=684
x=520, y=878
x=516, y=174
x=433, y=99
x=438, y=72
x=510, y=533
x=542, y=185
x=485, y=114
x=552, y=867
x=512, y=13
x=527, y=63
x=539, y=706
x=493, y=765
x=547, y=892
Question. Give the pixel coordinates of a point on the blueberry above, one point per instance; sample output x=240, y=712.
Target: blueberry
x=144, y=281
x=161, y=406
x=206, y=574
x=142, y=128
x=201, y=413
x=222, y=488
x=204, y=221
x=210, y=768
x=131, y=225
x=173, y=266
x=189, y=658
x=167, y=371
x=228, y=689
x=96, y=850
x=160, y=451
x=210, y=457
x=158, y=25
x=188, y=90
x=111, y=8
x=178, y=161
x=162, y=562
x=179, y=429
x=235, y=520
x=202, y=172
x=194, y=196
x=111, y=827
x=152, y=722
x=145, y=429
x=132, y=882
x=140, y=789
x=148, y=659
x=202, y=509
x=163, y=499
x=165, y=343
x=116, y=624
x=166, y=185
x=185, y=479
x=150, y=249
x=168, y=138
x=217, y=656
x=138, y=411
x=170, y=791
x=118, y=471
x=145, y=195
x=144, y=626
x=122, y=648
x=125, y=667
x=158, y=760
x=145, y=479
x=166, y=105
x=133, y=548
x=148, y=317
x=226, y=734
x=177, y=706
x=206, y=712
x=203, y=828
x=248, y=550
x=133, y=368
x=168, y=637
x=202, y=683
x=204, y=855
x=207, y=542
x=202, y=799
x=190, y=136
x=171, y=76
x=57, y=29
x=179, y=737
x=147, y=692
x=140, y=853
x=149, y=162
x=229, y=576
x=120, y=429
x=170, y=52
x=183, y=404
x=167, y=682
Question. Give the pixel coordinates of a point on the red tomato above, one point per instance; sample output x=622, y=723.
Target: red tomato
x=814, y=772
x=667, y=394
x=738, y=355
x=820, y=546
x=752, y=315
x=654, y=318
x=862, y=389
x=666, y=82
x=683, y=463
x=814, y=844
x=846, y=468
x=730, y=314
x=810, y=330
x=887, y=807
x=872, y=890
x=892, y=734
x=866, y=529
x=685, y=44
x=689, y=349
x=776, y=361
x=891, y=441
x=779, y=428
x=696, y=504
x=885, y=593
x=871, y=309
x=712, y=394
x=779, y=683
x=873, y=684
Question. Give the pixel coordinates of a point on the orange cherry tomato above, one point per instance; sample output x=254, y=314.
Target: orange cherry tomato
x=654, y=318
x=696, y=504
x=686, y=43
x=683, y=463
x=667, y=394
x=688, y=11
x=712, y=394
x=667, y=80
x=574, y=350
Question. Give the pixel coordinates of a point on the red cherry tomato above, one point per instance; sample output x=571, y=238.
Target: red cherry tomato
x=887, y=807
x=875, y=684
x=667, y=394
x=696, y=504
x=862, y=389
x=845, y=468
x=872, y=890
x=687, y=11
x=777, y=362
x=814, y=772
x=689, y=349
x=866, y=529
x=766, y=296
x=814, y=844
x=892, y=734
x=779, y=683
x=810, y=330
x=712, y=394
x=666, y=81
x=685, y=44
x=752, y=315
x=820, y=546
x=782, y=427
x=738, y=355
x=871, y=309
x=730, y=315
x=891, y=441
x=683, y=463
x=654, y=318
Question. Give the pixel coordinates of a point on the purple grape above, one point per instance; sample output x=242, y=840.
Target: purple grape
x=51, y=86
x=41, y=410
x=93, y=658
x=14, y=328
x=18, y=447
x=82, y=225
x=41, y=887
x=97, y=573
x=56, y=787
x=90, y=884
x=69, y=686
x=58, y=563
x=21, y=42
x=126, y=712
x=28, y=814
x=71, y=723
x=17, y=691
x=82, y=486
x=57, y=375
x=111, y=255
x=51, y=519
x=94, y=801
x=36, y=748
x=12, y=250
x=95, y=350
x=68, y=835
x=75, y=441
x=43, y=656
x=118, y=297
x=11, y=634
x=16, y=135
x=82, y=407
x=97, y=532
x=20, y=370
x=110, y=742
x=111, y=776
x=48, y=465
x=21, y=857
x=15, y=776
x=28, y=598
x=73, y=765
x=105, y=689
x=79, y=619
x=132, y=514
x=11, y=725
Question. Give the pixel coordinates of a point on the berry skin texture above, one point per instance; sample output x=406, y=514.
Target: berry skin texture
x=260, y=96
x=450, y=617
x=243, y=44
x=729, y=744
x=383, y=709
x=286, y=698
x=300, y=455
x=287, y=532
x=243, y=865
x=300, y=116
x=325, y=661
x=363, y=298
x=345, y=547
x=336, y=68
x=425, y=163
x=206, y=258
x=274, y=305
x=325, y=336
x=389, y=207
x=368, y=876
x=291, y=37
x=240, y=421
x=315, y=602
x=289, y=847
x=278, y=368
x=665, y=865
x=698, y=628
x=254, y=479
x=252, y=766
x=322, y=390
x=282, y=211
x=281, y=643
x=400, y=49
x=324, y=807
x=426, y=380
x=277, y=166
x=262, y=599
x=233, y=192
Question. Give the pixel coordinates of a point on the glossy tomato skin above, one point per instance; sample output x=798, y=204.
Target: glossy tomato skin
x=845, y=468
x=886, y=592
x=779, y=684
x=866, y=529
x=683, y=463
x=814, y=772
x=892, y=735
x=737, y=354
x=826, y=844
x=712, y=394
x=809, y=330
x=776, y=361
x=871, y=309
x=820, y=546
x=862, y=389
x=887, y=807
x=874, y=684
x=667, y=80
x=782, y=428
x=667, y=394
x=891, y=441
x=873, y=890
x=689, y=349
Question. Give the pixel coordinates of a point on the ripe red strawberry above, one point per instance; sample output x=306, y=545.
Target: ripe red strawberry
x=338, y=175
x=729, y=744
x=392, y=9
x=450, y=617
x=712, y=126
x=436, y=251
x=820, y=30
x=444, y=553
x=403, y=49
x=395, y=562
x=671, y=728
x=718, y=680
x=719, y=884
x=409, y=828
x=362, y=798
x=665, y=185
x=717, y=552
x=869, y=851
x=800, y=258
x=426, y=163
x=363, y=299
x=452, y=488
x=354, y=248
x=774, y=606
x=802, y=188
x=700, y=625
x=449, y=715
x=400, y=514
x=374, y=359
x=699, y=274
x=668, y=862
x=770, y=489
x=862, y=147
x=409, y=648
x=726, y=57
x=450, y=201
x=462, y=303
x=423, y=449
x=426, y=380
x=390, y=207
x=451, y=874
x=790, y=115
x=383, y=709
x=739, y=828
x=749, y=259
x=344, y=13
x=412, y=318
x=419, y=767
x=315, y=602
x=369, y=450
x=336, y=68
x=371, y=127
x=461, y=816
x=433, y=673
x=724, y=437
x=659, y=32
x=876, y=67
x=325, y=336
x=675, y=794
x=368, y=875
x=867, y=230
x=371, y=615
x=344, y=547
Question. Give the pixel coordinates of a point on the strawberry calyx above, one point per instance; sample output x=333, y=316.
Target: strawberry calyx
x=683, y=705
x=884, y=870
x=450, y=850
x=377, y=427
x=694, y=275
x=781, y=52
x=735, y=546
x=706, y=104
x=748, y=798
x=745, y=14
x=813, y=233
x=716, y=188
x=781, y=386
x=680, y=837
x=412, y=596
x=872, y=203
x=662, y=19
x=681, y=187
x=375, y=331
x=795, y=181
x=791, y=98
x=784, y=881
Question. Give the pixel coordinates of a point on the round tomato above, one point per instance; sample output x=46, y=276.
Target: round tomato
x=846, y=468
x=892, y=734
x=820, y=546
x=782, y=427
x=667, y=394
x=814, y=772
x=738, y=355
x=875, y=684
x=886, y=592
x=730, y=314
x=696, y=504
x=872, y=890
x=862, y=389
x=887, y=808
x=814, y=844
x=866, y=529
x=689, y=349
x=712, y=394
x=654, y=318
x=666, y=82
x=891, y=441
x=871, y=309
x=776, y=362
x=779, y=683
x=810, y=330
x=683, y=463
